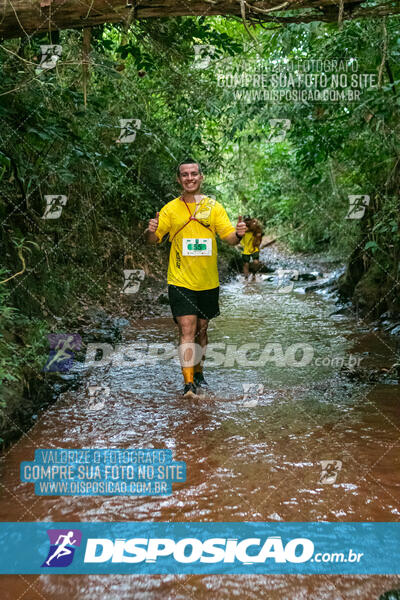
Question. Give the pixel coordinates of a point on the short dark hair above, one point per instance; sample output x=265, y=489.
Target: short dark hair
x=188, y=161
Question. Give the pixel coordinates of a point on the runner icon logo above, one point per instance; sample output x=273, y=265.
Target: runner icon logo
x=62, y=348
x=132, y=280
x=54, y=206
x=62, y=547
x=329, y=470
x=203, y=214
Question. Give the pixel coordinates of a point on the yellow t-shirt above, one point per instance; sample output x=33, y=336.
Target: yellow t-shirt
x=247, y=243
x=193, y=255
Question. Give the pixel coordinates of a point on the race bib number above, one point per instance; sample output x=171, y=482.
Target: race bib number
x=197, y=247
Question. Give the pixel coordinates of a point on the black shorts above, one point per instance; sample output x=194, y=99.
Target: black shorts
x=183, y=302
x=254, y=256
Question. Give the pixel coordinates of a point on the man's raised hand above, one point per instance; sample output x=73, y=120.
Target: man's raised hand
x=241, y=227
x=153, y=224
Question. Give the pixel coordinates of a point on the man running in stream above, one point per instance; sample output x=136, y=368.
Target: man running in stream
x=192, y=222
x=251, y=246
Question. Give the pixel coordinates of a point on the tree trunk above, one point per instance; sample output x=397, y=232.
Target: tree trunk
x=26, y=17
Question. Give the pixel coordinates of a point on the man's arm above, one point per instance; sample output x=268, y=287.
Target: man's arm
x=232, y=239
x=150, y=234
x=151, y=237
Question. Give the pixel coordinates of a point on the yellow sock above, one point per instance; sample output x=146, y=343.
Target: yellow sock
x=188, y=374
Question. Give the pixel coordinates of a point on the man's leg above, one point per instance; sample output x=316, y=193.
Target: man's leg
x=256, y=265
x=246, y=262
x=187, y=334
x=202, y=340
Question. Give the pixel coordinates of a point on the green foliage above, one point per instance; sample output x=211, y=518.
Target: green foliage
x=332, y=149
x=13, y=356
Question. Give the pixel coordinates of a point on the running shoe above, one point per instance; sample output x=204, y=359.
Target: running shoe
x=199, y=380
x=189, y=391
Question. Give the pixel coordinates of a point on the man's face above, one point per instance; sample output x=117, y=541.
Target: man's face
x=190, y=178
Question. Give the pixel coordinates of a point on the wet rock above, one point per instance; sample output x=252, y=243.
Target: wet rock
x=109, y=336
x=61, y=382
x=386, y=324
x=395, y=330
x=65, y=376
x=346, y=310
x=309, y=276
x=100, y=319
x=322, y=285
x=96, y=315
x=108, y=328
x=57, y=390
x=384, y=316
x=121, y=322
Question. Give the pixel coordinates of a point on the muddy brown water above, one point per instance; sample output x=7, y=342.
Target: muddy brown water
x=248, y=459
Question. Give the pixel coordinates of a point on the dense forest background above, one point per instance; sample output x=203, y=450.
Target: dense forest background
x=59, y=137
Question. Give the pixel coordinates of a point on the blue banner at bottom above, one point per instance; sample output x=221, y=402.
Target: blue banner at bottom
x=199, y=548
